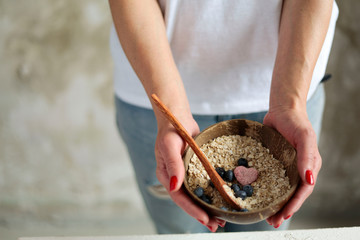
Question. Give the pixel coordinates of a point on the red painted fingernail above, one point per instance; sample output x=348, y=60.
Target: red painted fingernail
x=309, y=177
x=220, y=222
x=202, y=222
x=210, y=228
x=288, y=217
x=173, y=182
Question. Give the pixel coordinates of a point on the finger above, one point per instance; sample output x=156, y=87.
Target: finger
x=309, y=160
x=161, y=171
x=213, y=224
x=171, y=146
x=183, y=201
x=298, y=199
x=162, y=174
x=269, y=220
x=220, y=222
x=302, y=193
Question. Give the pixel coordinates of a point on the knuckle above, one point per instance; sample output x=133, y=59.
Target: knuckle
x=310, y=191
x=318, y=162
x=309, y=133
x=161, y=177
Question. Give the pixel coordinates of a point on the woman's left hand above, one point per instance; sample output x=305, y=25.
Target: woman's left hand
x=295, y=126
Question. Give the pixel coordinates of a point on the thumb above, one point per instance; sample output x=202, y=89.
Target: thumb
x=309, y=160
x=172, y=154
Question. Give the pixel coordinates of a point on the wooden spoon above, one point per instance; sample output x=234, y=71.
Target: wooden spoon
x=219, y=183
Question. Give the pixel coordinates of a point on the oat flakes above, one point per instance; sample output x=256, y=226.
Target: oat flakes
x=224, y=152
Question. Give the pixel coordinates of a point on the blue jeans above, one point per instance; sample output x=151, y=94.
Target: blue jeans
x=138, y=129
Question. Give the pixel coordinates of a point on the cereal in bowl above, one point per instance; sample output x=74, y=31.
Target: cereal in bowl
x=234, y=157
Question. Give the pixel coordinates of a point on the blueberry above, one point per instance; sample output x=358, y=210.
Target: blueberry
x=249, y=190
x=243, y=162
x=220, y=171
x=235, y=187
x=229, y=176
x=224, y=208
x=206, y=198
x=199, y=192
x=241, y=194
x=244, y=210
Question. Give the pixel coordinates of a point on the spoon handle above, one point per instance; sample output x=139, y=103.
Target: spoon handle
x=214, y=176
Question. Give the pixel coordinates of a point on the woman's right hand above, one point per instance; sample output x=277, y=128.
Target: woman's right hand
x=142, y=34
x=170, y=169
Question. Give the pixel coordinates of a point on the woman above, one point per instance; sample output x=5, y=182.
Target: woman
x=212, y=60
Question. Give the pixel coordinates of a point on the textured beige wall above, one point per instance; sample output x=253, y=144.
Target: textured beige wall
x=338, y=192
x=59, y=149
x=59, y=145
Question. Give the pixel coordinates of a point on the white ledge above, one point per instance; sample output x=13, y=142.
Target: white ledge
x=349, y=233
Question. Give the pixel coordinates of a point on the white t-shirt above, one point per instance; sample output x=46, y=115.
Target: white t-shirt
x=225, y=53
